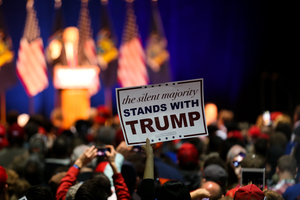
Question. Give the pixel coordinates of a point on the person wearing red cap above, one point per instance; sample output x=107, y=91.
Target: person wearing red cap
x=188, y=162
x=103, y=115
x=3, y=140
x=16, y=137
x=3, y=183
x=249, y=192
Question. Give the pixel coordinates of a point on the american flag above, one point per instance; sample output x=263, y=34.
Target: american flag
x=132, y=69
x=87, y=45
x=31, y=63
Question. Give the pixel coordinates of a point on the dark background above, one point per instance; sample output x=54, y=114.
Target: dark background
x=247, y=51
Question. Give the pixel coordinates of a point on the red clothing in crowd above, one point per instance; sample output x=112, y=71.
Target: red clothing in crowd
x=69, y=180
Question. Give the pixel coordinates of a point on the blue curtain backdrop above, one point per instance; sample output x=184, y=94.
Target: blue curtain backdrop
x=235, y=45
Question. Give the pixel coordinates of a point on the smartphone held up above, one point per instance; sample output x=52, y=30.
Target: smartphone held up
x=102, y=151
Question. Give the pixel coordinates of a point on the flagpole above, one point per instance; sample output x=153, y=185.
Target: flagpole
x=31, y=105
x=3, y=107
x=108, y=98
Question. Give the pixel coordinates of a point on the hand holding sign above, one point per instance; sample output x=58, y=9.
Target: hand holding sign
x=162, y=112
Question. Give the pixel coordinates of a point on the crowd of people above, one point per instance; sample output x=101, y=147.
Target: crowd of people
x=41, y=160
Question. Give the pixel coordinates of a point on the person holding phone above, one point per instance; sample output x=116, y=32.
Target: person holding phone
x=249, y=161
x=86, y=157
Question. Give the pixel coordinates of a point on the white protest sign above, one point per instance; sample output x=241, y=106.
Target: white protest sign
x=162, y=112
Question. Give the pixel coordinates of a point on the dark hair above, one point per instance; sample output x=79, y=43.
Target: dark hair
x=252, y=160
x=97, y=188
x=33, y=169
x=129, y=174
x=61, y=147
x=214, y=160
x=12, y=117
x=287, y=163
x=261, y=146
x=174, y=190
x=214, y=144
x=38, y=192
x=284, y=128
x=31, y=128
x=197, y=142
x=227, y=144
x=82, y=127
x=278, y=139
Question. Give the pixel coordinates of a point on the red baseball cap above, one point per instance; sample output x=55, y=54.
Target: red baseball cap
x=235, y=134
x=254, y=131
x=3, y=178
x=103, y=113
x=249, y=192
x=2, y=131
x=187, y=153
x=16, y=131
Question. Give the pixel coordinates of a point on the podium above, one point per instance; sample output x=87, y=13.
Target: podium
x=76, y=85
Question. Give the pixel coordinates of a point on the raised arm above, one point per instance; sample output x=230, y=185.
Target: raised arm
x=122, y=191
x=71, y=176
x=147, y=185
x=149, y=167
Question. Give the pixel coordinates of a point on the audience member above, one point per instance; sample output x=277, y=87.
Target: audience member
x=3, y=139
x=278, y=139
x=16, y=137
x=38, y=192
x=3, y=183
x=20, y=189
x=216, y=174
x=272, y=195
x=188, y=162
x=286, y=170
x=96, y=188
x=273, y=154
x=261, y=146
x=165, y=171
x=12, y=179
x=292, y=192
x=105, y=135
x=59, y=156
x=250, y=161
x=72, y=191
x=214, y=189
x=34, y=170
x=285, y=128
x=170, y=190
x=214, y=159
x=235, y=156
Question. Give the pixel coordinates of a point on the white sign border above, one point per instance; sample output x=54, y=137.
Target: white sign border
x=118, y=90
